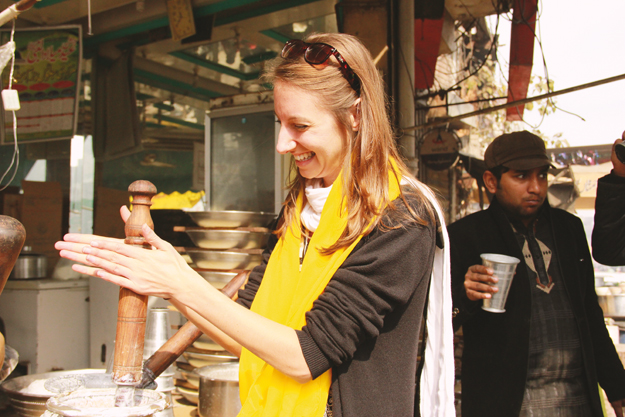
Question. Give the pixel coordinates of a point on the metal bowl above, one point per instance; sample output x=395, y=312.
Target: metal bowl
x=190, y=395
x=224, y=239
x=231, y=219
x=205, y=343
x=28, y=396
x=191, y=377
x=217, y=278
x=199, y=359
x=207, y=259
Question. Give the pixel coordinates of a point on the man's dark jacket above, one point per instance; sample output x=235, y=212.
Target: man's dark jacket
x=608, y=234
x=496, y=345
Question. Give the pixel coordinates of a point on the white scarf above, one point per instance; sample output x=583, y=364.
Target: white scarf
x=437, y=377
x=316, y=196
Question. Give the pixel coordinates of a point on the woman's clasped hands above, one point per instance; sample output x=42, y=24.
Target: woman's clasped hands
x=160, y=272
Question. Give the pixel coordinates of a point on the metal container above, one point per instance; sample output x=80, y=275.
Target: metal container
x=219, y=390
x=27, y=394
x=231, y=219
x=29, y=265
x=207, y=259
x=224, y=239
x=613, y=305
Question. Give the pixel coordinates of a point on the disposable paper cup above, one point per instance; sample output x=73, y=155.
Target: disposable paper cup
x=504, y=267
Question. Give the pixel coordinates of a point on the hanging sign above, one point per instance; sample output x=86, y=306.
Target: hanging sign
x=47, y=79
x=439, y=149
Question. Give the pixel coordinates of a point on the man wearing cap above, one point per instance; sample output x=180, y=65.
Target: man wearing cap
x=546, y=353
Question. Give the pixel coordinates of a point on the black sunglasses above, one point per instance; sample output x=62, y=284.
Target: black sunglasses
x=318, y=54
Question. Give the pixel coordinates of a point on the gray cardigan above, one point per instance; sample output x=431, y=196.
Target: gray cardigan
x=365, y=325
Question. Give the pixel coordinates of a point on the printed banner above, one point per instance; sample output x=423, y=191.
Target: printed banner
x=47, y=78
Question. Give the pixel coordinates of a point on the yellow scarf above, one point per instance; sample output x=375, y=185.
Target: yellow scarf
x=286, y=294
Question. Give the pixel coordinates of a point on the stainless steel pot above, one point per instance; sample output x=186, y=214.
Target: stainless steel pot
x=219, y=390
x=29, y=265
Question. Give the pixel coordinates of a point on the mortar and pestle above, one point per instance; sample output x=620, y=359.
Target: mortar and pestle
x=130, y=378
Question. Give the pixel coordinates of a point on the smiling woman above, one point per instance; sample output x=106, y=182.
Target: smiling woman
x=329, y=322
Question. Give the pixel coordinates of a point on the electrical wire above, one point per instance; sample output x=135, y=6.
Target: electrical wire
x=471, y=74
x=16, y=152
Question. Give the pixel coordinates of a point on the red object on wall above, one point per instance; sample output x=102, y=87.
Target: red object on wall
x=427, y=40
x=521, y=54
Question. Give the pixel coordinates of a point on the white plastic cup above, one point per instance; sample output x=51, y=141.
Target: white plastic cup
x=504, y=268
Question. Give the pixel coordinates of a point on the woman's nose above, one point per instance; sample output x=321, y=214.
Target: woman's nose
x=285, y=142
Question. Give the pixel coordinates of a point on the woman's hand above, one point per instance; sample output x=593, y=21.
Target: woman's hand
x=73, y=243
x=159, y=272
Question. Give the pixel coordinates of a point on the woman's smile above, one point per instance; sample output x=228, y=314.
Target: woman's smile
x=304, y=156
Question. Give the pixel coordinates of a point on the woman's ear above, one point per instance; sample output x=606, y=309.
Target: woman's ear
x=354, y=115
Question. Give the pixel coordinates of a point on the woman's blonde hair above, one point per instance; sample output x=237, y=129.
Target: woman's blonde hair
x=369, y=151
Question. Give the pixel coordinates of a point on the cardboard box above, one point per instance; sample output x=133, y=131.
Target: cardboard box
x=41, y=213
x=106, y=219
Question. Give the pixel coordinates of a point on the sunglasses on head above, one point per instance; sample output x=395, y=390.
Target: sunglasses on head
x=318, y=54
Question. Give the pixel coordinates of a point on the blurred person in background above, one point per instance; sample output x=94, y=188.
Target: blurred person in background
x=608, y=233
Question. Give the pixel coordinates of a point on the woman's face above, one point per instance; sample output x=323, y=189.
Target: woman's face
x=309, y=132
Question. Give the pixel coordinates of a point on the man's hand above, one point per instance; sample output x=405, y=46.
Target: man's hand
x=478, y=282
x=618, y=407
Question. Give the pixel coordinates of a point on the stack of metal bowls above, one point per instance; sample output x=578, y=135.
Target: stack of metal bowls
x=227, y=242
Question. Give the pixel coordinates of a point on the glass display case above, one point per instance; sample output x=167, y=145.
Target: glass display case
x=243, y=171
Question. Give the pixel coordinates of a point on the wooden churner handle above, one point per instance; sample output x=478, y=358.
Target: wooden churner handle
x=132, y=308
x=184, y=337
x=12, y=237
